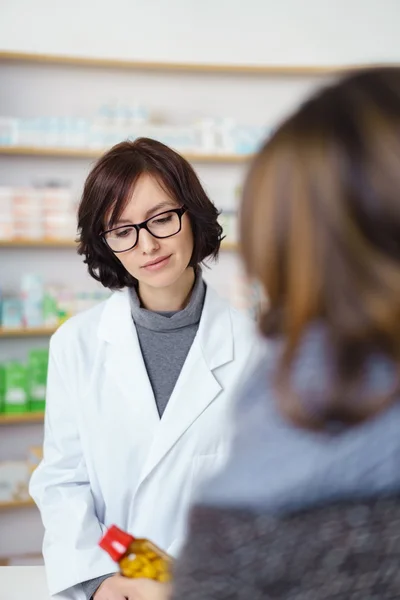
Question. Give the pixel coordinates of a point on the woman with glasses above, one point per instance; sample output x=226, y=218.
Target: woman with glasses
x=139, y=387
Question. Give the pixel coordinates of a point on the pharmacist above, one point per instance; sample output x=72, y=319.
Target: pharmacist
x=139, y=387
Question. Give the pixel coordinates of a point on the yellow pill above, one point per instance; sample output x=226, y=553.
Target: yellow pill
x=149, y=572
x=159, y=564
x=127, y=573
x=125, y=563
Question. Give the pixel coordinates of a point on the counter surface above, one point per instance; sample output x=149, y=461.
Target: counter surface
x=23, y=583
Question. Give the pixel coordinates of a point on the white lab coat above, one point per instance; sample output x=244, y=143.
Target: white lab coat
x=108, y=457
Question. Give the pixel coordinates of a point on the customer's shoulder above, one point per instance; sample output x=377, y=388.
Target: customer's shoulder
x=258, y=384
x=242, y=323
x=221, y=308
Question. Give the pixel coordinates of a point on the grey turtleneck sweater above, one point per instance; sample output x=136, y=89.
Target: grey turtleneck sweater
x=165, y=339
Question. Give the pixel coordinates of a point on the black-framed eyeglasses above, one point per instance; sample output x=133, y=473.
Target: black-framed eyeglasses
x=163, y=225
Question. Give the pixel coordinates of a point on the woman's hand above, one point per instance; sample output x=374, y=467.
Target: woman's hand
x=147, y=589
x=118, y=587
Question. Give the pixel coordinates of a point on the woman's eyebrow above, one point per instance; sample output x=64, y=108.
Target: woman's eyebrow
x=158, y=207
x=118, y=223
x=151, y=211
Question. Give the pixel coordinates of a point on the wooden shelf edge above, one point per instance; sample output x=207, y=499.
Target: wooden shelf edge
x=16, y=504
x=51, y=152
x=228, y=246
x=143, y=65
x=28, y=558
x=217, y=158
x=43, y=243
x=96, y=153
x=16, y=419
x=26, y=332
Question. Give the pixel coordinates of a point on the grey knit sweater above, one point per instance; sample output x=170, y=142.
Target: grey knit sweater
x=298, y=514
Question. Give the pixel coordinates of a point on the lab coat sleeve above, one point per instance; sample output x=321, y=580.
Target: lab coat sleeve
x=60, y=487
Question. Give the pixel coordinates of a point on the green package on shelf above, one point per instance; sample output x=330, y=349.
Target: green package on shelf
x=15, y=388
x=2, y=388
x=36, y=405
x=37, y=377
x=38, y=358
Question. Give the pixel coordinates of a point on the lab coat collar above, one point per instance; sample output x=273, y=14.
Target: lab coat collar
x=196, y=388
x=214, y=333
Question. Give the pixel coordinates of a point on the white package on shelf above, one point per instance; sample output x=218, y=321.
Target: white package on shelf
x=8, y=131
x=32, y=295
x=59, y=213
x=6, y=213
x=28, y=216
x=206, y=136
x=28, y=132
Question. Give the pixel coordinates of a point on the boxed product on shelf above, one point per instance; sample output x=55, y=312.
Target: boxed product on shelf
x=15, y=388
x=11, y=312
x=36, y=378
x=8, y=131
x=7, y=230
x=51, y=312
x=23, y=386
x=38, y=305
x=117, y=121
x=32, y=293
x=34, y=213
x=2, y=388
x=14, y=481
x=27, y=213
x=58, y=213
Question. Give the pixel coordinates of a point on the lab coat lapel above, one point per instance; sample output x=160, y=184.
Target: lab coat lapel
x=197, y=385
x=125, y=366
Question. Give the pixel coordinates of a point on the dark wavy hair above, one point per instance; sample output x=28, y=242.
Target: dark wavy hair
x=108, y=188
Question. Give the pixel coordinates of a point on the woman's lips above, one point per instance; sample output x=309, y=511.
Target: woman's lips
x=156, y=264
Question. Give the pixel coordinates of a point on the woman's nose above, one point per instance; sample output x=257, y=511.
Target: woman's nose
x=147, y=243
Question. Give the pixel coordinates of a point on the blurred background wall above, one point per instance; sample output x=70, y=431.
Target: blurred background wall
x=56, y=117
x=262, y=32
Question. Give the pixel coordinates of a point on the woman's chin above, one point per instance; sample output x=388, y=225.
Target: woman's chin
x=160, y=279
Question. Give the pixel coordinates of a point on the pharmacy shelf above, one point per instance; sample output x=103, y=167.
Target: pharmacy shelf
x=16, y=504
x=26, y=332
x=140, y=65
x=22, y=243
x=42, y=243
x=21, y=419
x=96, y=153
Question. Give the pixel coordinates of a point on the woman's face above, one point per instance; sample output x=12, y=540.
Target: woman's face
x=157, y=263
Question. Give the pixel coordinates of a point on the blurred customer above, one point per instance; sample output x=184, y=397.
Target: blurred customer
x=308, y=506
x=140, y=386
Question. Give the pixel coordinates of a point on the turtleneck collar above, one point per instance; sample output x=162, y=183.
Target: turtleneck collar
x=167, y=321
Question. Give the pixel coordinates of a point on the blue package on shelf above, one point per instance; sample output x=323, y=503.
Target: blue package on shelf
x=11, y=313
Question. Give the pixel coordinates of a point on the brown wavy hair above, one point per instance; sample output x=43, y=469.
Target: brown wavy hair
x=320, y=230
x=108, y=188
